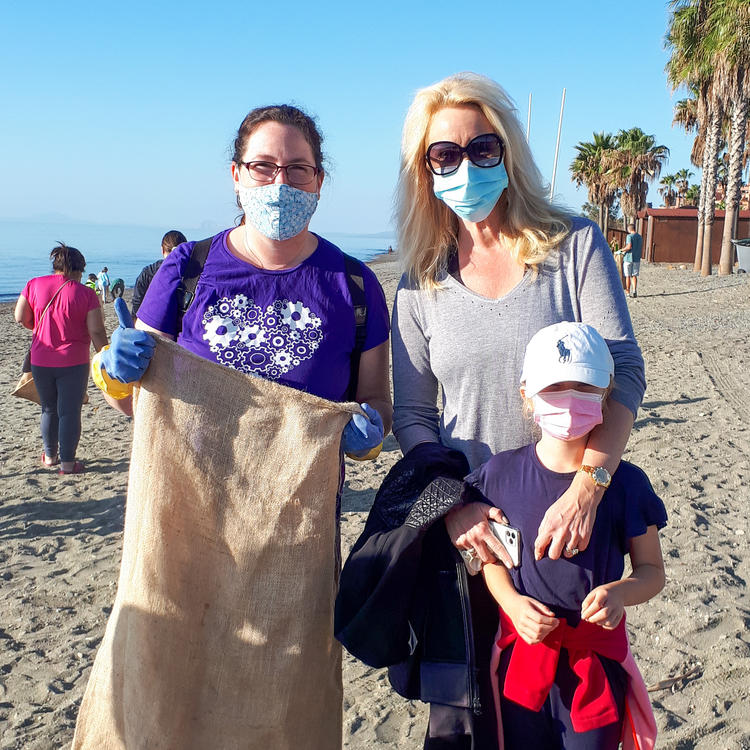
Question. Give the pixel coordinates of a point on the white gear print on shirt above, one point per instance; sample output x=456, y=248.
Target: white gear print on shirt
x=219, y=331
x=296, y=315
x=252, y=335
x=268, y=341
x=282, y=359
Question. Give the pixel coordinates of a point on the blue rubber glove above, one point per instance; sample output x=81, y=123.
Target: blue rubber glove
x=362, y=433
x=130, y=351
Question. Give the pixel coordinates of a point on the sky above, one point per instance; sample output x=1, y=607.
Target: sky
x=124, y=113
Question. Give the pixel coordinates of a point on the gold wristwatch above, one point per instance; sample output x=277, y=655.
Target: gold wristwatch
x=600, y=476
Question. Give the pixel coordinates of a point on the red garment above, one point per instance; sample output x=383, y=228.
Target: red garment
x=531, y=670
x=62, y=338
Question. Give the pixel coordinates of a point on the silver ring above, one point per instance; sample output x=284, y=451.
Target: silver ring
x=469, y=554
x=572, y=550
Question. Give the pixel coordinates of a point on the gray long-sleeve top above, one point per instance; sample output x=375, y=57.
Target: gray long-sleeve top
x=473, y=347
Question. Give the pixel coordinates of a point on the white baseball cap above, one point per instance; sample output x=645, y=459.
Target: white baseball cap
x=566, y=351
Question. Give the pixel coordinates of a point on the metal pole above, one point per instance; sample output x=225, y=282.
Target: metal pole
x=528, y=120
x=557, y=147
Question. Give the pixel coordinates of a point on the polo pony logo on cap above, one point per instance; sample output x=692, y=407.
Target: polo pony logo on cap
x=563, y=351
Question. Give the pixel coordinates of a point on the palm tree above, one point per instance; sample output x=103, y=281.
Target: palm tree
x=722, y=173
x=636, y=161
x=710, y=170
x=685, y=68
x=692, y=195
x=588, y=169
x=686, y=113
x=710, y=46
x=667, y=189
x=692, y=39
x=682, y=178
x=686, y=117
x=731, y=20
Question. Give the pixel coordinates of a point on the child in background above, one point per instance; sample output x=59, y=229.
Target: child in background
x=91, y=281
x=564, y=674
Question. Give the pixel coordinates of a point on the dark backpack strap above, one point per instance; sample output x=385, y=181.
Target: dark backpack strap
x=193, y=271
x=356, y=282
x=354, y=278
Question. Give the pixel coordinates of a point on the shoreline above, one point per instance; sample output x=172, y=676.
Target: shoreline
x=375, y=260
x=60, y=537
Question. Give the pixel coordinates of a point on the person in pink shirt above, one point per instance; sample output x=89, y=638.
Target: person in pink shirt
x=66, y=318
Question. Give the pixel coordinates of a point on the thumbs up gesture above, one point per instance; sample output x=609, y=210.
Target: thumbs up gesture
x=129, y=355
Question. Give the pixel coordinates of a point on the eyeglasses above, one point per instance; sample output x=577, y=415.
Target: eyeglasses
x=266, y=171
x=445, y=157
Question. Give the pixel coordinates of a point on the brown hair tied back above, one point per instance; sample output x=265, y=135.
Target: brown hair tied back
x=171, y=239
x=286, y=115
x=67, y=260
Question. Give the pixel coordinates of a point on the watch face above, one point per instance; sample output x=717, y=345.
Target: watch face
x=601, y=475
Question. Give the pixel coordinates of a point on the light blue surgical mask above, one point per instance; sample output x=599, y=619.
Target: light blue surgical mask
x=277, y=210
x=471, y=192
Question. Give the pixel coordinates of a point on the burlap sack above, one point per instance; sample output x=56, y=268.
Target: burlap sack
x=26, y=388
x=221, y=635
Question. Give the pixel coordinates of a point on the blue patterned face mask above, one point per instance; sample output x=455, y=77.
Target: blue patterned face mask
x=471, y=192
x=278, y=211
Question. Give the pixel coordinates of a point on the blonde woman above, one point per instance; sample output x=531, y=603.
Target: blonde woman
x=490, y=261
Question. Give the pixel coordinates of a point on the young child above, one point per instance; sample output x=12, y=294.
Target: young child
x=564, y=674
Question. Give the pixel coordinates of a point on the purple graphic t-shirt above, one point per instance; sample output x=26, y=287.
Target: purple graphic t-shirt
x=518, y=483
x=294, y=326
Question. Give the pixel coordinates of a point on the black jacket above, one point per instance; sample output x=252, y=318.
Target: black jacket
x=404, y=598
x=142, y=283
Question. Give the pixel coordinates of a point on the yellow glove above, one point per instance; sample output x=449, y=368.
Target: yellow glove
x=104, y=383
x=374, y=453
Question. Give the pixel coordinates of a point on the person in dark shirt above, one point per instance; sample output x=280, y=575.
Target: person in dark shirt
x=631, y=262
x=573, y=606
x=168, y=243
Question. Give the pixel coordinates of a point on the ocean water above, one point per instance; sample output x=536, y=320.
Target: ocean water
x=125, y=250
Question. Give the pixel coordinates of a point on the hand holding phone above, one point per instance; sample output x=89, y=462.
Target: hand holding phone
x=510, y=538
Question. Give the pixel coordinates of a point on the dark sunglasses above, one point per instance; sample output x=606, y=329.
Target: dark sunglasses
x=445, y=157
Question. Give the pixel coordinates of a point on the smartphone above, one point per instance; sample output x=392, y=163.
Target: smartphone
x=510, y=538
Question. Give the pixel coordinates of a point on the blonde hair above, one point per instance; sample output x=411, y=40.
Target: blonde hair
x=427, y=228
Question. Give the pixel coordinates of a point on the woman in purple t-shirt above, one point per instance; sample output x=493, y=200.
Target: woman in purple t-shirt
x=273, y=298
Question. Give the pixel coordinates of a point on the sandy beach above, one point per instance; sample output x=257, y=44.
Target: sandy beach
x=60, y=537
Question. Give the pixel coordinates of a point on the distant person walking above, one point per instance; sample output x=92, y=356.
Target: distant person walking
x=631, y=261
x=168, y=243
x=66, y=317
x=102, y=281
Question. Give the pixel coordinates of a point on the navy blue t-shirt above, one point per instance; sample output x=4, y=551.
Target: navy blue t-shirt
x=518, y=483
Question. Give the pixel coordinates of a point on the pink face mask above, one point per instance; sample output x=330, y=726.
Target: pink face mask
x=567, y=415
